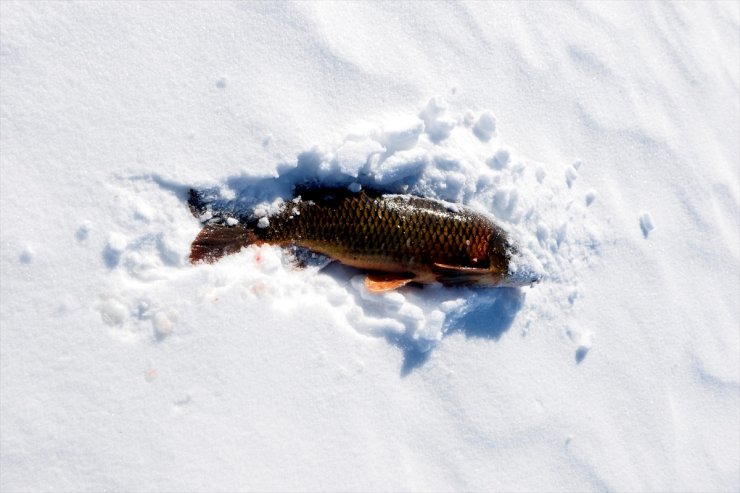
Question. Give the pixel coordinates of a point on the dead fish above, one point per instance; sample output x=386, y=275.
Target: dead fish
x=397, y=239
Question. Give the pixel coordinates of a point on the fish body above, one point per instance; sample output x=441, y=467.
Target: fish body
x=396, y=238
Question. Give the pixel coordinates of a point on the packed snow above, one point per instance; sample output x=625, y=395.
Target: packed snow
x=602, y=137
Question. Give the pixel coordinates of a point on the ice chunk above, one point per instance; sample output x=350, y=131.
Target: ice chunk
x=583, y=339
x=437, y=125
x=646, y=223
x=499, y=160
x=590, y=197
x=402, y=134
x=485, y=127
x=353, y=156
x=117, y=242
x=540, y=174
x=570, y=175
x=83, y=231
x=26, y=256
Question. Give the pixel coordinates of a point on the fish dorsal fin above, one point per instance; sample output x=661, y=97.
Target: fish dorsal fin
x=382, y=282
x=461, y=270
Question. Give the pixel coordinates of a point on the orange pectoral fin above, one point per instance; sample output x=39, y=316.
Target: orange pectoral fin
x=380, y=283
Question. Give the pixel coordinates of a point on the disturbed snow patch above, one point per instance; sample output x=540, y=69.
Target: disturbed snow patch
x=458, y=158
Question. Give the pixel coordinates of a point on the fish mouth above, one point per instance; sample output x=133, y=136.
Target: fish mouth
x=524, y=270
x=520, y=280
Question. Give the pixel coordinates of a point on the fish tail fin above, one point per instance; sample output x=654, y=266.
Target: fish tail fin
x=217, y=240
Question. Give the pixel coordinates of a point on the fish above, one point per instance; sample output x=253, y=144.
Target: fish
x=396, y=239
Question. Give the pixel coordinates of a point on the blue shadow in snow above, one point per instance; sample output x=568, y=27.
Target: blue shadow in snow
x=311, y=169
x=111, y=257
x=488, y=317
x=487, y=314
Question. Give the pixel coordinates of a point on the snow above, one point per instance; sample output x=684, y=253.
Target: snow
x=646, y=223
x=603, y=137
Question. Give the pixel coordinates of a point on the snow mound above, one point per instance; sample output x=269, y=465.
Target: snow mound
x=441, y=155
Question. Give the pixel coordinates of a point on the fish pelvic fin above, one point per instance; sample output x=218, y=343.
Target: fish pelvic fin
x=382, y=282
x=217, y=240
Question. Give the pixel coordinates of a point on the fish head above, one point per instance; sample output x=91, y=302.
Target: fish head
x=507, y=268
x=522, y=268
x=510, y=266
x=521, y=274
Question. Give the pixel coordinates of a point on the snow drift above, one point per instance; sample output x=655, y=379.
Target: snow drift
x=603, y=136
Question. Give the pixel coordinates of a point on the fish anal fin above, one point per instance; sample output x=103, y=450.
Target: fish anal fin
x=216, y=240
x=382, y=282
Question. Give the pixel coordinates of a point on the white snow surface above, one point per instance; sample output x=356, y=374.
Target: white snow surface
x=603, y=137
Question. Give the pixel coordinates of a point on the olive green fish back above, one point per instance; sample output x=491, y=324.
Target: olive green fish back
x=408, y=230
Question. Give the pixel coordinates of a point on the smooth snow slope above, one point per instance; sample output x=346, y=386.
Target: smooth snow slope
x=603, y=136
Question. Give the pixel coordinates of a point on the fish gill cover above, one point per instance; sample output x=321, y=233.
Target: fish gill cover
x=456, y=156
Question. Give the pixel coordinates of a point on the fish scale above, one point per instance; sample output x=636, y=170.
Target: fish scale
x=367, y=232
